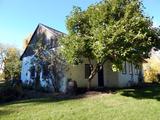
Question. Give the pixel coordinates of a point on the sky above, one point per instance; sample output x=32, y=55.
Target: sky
x=19, y=18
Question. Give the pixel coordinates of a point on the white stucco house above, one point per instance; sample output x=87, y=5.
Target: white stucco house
x=105, y=78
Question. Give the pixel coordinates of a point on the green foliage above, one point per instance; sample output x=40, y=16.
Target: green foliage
x=12, y=64
x=114, y=30
x=110, y=30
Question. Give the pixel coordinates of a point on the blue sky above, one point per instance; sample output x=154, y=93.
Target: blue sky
x=19, y=18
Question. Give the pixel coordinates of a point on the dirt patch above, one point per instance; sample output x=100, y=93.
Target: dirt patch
x=92, y=94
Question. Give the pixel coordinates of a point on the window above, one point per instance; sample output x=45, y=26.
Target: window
x=87, y=70
x=32, y=71
x=124, y=70
x=45, y=71
x=130, y=68
x=136, y=70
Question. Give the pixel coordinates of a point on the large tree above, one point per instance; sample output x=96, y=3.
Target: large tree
x=111, y=30
x=48, y=59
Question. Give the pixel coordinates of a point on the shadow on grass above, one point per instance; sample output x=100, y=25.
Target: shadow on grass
x=5, y=112
x=44, y=100
x=59, y=97
x=148, y=91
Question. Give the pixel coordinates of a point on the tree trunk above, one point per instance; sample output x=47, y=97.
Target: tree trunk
x=93, y=73
x=94, y=69
x=89, y=84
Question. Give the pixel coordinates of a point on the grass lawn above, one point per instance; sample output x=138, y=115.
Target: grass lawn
x=127, y=104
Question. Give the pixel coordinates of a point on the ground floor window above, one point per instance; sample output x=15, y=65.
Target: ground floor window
x=136, y=69
x=32, y=71
x=124, y=70
x=45, y=72
x=130, y=68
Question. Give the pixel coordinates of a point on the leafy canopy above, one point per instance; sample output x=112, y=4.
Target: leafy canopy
x=114, y=30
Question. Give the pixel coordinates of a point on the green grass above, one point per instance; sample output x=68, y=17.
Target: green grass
x=128, y=104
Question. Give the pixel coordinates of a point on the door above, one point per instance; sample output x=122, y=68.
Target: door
x=100, y=78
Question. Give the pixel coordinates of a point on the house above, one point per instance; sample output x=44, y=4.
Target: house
x=104, y=78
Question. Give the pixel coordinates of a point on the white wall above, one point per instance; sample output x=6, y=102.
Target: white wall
x=127, y=78
x=45, y=83
x=110, y=77
x=25, y=74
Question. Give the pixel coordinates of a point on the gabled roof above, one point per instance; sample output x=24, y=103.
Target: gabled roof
x=27, y=49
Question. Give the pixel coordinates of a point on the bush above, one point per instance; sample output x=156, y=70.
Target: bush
x=152, y=68
x=10, y=92
x=150, y=76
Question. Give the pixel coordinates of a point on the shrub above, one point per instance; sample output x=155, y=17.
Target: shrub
x=150, y=75
x=152, y=69
x=10, y=92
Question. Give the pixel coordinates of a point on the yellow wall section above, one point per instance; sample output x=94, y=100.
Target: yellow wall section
x=111, y=79
x=77, y=73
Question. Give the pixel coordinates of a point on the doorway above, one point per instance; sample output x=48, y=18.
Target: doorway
x=101, y=78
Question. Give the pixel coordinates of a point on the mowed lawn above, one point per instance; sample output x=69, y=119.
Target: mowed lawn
x=127, y=104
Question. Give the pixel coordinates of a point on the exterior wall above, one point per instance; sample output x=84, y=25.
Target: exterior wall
x=110, y=77
x=125, y=80
x=77, y=73
x=25, y=74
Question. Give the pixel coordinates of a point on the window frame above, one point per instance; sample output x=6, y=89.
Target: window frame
x=130, y=68
x=124, y=67
x=136, y=70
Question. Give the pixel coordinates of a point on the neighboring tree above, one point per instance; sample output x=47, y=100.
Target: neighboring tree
x=3, y=50
x=12, y=64
x=112, y=30
x=151, y=67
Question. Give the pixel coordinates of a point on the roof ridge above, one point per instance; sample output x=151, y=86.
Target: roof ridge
x=50, y=28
